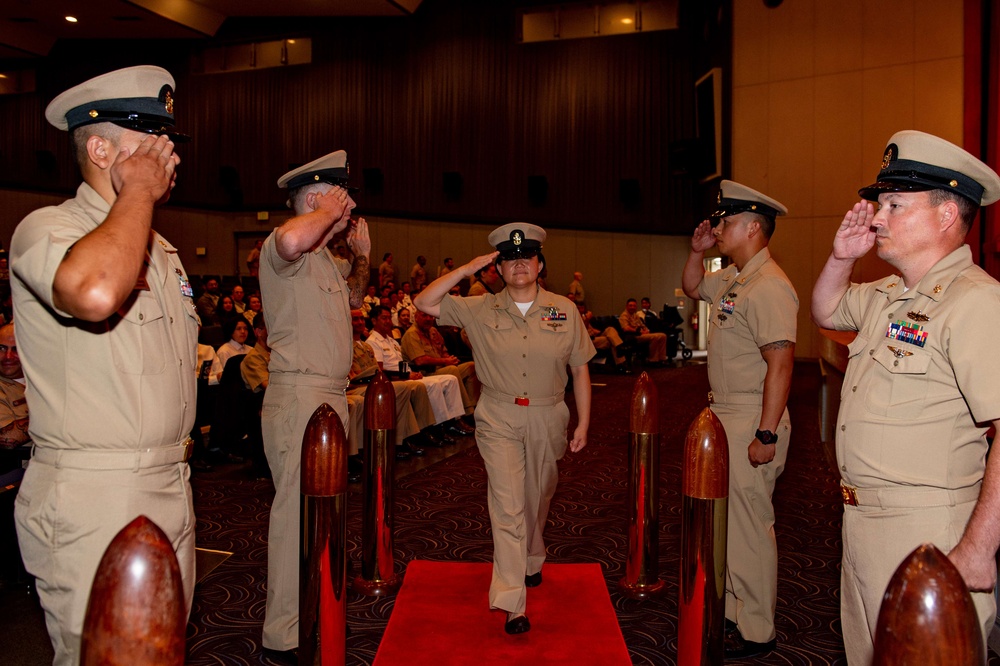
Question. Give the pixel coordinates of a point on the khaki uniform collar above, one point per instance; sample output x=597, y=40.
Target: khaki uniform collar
x=935, y=284
x=732, y=274
x=504, y=301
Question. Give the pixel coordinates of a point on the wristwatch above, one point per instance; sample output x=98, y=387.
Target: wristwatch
x=766, y=436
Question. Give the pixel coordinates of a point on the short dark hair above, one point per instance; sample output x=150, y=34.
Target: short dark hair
x=376, y=311
x=967, y=209
x=229, y=326
x=631, y=300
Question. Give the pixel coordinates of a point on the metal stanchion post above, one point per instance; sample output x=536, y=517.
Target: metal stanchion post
x=323, y=545
x=377, y=575
x=641, y=578
x=927, y=616
x=136, y=612
x=704, y=514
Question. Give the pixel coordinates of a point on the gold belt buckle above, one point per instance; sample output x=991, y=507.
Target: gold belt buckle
x=188, y=449
x=850, y=495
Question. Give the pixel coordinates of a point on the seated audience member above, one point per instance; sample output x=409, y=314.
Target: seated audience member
x=406, y=299
x=649, y=317
x=238, y=303
x=255, y=375
x=253, y=308
x=486, y=281
x=444, y=390
x=371, y=300
x=226, y=311
x=424, y=349
x=253, y=369
x=606, y=339
x=237, y=331
x=13, y=406
x=403, y=323
x=412, y=403
x=208, y=302
x=632, y=324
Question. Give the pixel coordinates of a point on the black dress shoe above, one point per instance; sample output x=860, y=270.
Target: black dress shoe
x=516, y=625
x=412, y=447
x=355, y=468
x=737, y=647
x=199, y=465
x=432, y=439
x=453, y=428
x=533, y=580
x=284, y=657
x=402, y=452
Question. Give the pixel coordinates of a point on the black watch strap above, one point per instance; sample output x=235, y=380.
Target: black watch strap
x=766, y=436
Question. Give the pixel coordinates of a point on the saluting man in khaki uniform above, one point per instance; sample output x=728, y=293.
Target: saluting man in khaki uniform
x=751, y=352
x=108, y=340
x=921, y=382
x=522, y=340
x=308, y=304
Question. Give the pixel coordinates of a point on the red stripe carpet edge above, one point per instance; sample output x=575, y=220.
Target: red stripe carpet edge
x=442, y=618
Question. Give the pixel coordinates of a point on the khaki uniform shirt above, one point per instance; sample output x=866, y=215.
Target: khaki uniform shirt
x=253, y=369
x=363, y=364
x=921, y=374
x=750, y=309
x=308, y=313
x=125, y=383
x=521, y=355
x=632, y=322
x=13, y=405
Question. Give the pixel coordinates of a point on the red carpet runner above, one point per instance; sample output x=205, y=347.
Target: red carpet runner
x=441, y=617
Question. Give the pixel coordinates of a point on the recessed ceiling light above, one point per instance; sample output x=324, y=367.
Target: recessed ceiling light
x=627, y=21
x=71, y=19
x=290, y=41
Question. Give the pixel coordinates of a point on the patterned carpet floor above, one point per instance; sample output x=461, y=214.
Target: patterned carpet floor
x=440, y=514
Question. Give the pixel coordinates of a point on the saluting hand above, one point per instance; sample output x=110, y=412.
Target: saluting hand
x=333, y=202
x=855, y=236
x=703, y=238
x=477, y=264
x=150, y=168
x=358, y=238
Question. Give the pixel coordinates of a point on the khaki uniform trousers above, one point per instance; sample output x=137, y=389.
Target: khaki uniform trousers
x=657, y=348
x=67, y=517
x=521, y=447
x=751, y=549
x=876, y=541
x=286, y=412
x=609, y=339
x=468, y=383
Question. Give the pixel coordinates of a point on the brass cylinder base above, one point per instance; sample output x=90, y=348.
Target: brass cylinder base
x=702, y=604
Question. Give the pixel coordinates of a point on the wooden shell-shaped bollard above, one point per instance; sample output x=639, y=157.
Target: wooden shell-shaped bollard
x=704, y=520
x=377, y=575
x=323, y=541
x=136, y=613
x=641, y=578
x=927, y=615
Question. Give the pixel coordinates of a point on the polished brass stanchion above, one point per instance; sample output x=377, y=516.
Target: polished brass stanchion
x=323, y=545
x=136, y=612
x=927, y=615
x=377, y=576
x=704, y=512
x=642, y=567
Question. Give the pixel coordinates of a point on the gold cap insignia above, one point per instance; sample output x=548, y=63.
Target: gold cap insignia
x=168, y=102
x=93, y=113
x=937, y=289
x=718, y=197
x=953, y=183
x=887, y=157
x=516, y=238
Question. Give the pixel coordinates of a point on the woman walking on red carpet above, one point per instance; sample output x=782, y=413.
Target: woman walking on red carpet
x=522, y=339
